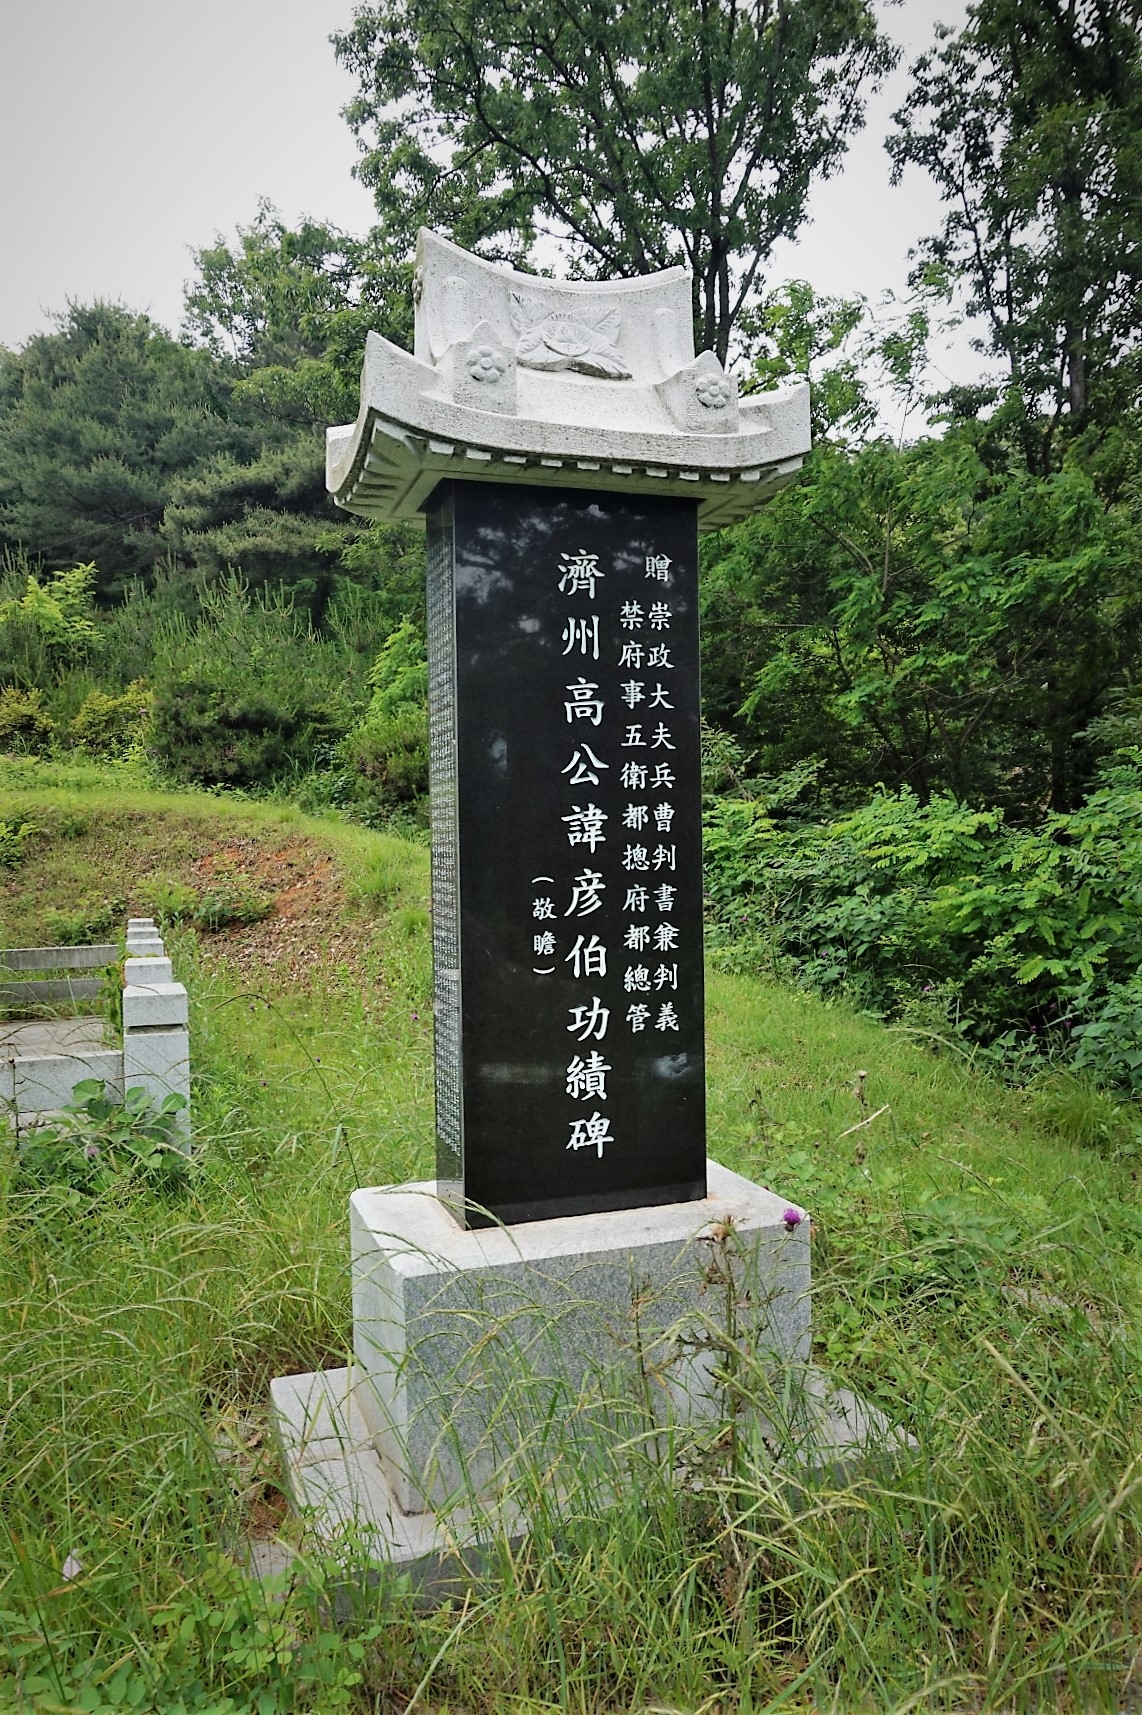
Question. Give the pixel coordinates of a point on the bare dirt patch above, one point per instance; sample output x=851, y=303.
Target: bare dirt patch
x=308, y=937
x=114, y=863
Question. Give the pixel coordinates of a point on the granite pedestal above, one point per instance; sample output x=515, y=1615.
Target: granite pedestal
x=469, y=1338
x=481, y=1351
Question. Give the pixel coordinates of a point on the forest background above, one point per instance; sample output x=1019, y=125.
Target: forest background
x=920, y=670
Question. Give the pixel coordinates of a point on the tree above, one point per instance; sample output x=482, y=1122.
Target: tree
x=801, y=336
x=123, y=446
x=267, y=516
x=97, y=420
x=639, y=135
x=292, y=308
x=911, y=619
x=1028, y=120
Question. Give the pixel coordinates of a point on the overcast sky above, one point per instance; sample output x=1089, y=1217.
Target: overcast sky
x=133, y=131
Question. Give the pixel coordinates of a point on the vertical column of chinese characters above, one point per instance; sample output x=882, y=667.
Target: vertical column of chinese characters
x=571, y=940
x=445, y=851
x=650, y=858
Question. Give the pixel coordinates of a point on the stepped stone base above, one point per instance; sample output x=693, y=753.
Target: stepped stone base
x=489, y=1360
x=339, y=1485
x=338, y=1482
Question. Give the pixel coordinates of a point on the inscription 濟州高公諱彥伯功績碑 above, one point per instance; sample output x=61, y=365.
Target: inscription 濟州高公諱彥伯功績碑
x=578, y=779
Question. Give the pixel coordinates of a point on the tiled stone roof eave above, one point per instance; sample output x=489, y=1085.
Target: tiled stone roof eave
x=393, y=469
x=412, y=433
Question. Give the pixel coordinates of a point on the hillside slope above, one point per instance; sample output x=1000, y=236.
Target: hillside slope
x=976, y=1271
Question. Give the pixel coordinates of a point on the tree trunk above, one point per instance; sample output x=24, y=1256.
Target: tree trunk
x=1076, y=374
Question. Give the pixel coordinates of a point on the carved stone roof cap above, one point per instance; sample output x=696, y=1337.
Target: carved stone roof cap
x=517, y=378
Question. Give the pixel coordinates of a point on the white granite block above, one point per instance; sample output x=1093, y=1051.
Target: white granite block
x=145, y=947
x=146, y=972
x=156, y=1005
x=44, y=1082
x=158, y=1061
x=469, y=1337
x=143, y=939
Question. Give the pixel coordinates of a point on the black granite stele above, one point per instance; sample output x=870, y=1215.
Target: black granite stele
x=566, y=842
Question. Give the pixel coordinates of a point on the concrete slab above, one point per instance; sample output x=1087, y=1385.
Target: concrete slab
x=42, y=1060
x=52, y=1036
x=340, y=1486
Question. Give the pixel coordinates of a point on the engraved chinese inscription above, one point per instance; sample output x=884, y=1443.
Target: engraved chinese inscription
x=577, y=805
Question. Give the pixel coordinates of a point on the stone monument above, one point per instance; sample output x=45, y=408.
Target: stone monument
x=565, y=447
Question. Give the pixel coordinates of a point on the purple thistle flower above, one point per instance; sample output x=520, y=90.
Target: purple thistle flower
x=793, y=1218
x=92, y=1151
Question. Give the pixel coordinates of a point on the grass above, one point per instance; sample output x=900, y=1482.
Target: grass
x=976, y=1268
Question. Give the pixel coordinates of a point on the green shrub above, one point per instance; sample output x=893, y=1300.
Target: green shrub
x=388, y=750
x=247, y=694
x=399, y=676
x=86, y=923
x=107, y=724
x=46, y=624
x=1108, y=1031
x=14, y=833
x=390, y=755
x=130, y=636
x=220, y=906
x=98, y=1145
x=171, y=901
x=26, y=727
x=217, y=735
x=1023, y=940
x=228, y=903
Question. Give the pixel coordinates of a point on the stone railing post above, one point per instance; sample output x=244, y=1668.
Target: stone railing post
x=156, y=1038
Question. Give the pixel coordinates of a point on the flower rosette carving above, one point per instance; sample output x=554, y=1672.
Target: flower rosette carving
x=715, y=392
x=561, y=339
x=484, y=363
